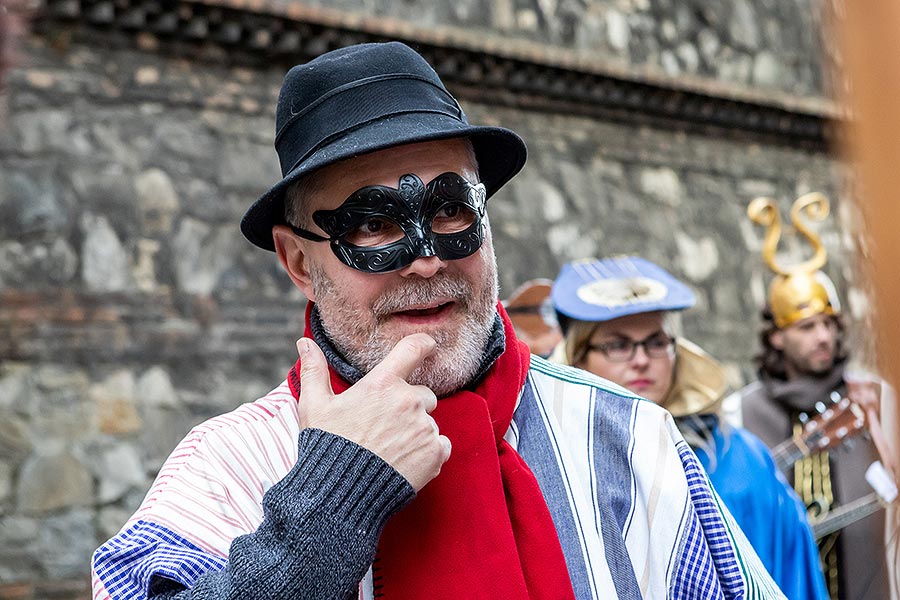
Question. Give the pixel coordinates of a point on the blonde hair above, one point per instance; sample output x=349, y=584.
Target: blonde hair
x=578, y=336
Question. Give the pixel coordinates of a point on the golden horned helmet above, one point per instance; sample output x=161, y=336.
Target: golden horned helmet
x=802, y=290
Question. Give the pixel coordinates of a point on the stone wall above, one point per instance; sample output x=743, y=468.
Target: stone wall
x=131, y=308
x=765, y=44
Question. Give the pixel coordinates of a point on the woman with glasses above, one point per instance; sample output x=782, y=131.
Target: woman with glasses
x=618, y=316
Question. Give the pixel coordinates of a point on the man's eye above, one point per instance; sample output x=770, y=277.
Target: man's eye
x=374, y=232
x=449, y=211
x=372, y=226
x=452, y=218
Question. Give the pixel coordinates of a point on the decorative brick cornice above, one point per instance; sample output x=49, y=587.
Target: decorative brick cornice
x=482, y=68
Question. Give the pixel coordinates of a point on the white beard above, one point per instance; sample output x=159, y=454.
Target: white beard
x=459, y=351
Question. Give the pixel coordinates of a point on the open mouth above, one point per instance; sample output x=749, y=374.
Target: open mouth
x=426, y=313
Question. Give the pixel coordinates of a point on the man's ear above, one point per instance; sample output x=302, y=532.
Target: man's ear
x=776, y=338
x=290, y=251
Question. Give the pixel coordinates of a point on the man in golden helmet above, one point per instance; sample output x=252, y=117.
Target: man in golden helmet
x=802, y=368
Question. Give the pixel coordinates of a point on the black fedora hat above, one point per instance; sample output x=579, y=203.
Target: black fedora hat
x=361, y=99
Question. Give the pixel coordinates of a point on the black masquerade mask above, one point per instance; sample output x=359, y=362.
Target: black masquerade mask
x=379, y=229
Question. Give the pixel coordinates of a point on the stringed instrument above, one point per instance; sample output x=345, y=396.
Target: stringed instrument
x=885, y=494
x=846, y=514
x=832, y=427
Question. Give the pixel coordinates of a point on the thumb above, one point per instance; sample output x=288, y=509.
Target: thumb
x=315, y=382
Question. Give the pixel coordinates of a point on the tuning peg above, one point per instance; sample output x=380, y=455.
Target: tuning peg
x=835, y=396
x=820, y=407
x=817, y=507
x=803, y=418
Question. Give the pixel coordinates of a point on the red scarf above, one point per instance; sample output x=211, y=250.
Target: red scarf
x=480, y=529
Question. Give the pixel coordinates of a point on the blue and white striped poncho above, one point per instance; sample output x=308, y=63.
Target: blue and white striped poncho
x=633, y=508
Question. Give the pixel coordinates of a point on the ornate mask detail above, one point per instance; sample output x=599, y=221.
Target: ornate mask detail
x=379, y=229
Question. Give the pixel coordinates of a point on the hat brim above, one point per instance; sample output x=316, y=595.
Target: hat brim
x=500, y=152
x=609, y=315
x=577, y=275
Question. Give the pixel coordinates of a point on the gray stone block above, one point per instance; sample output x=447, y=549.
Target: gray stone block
x=31, y=203
x=63, y=539
x=105, y=264
x=157, y=201
x=49, y=482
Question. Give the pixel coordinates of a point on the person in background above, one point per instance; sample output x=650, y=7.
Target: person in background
x=802, y=364
x=618, y=318
x=532, y=315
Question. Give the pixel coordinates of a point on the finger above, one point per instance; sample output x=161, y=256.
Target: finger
x=445, y=443
x=429, y=400
x=408, y=354
x=314, y=379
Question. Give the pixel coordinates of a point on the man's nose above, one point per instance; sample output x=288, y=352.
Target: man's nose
x=424, y=266
x=823, y=332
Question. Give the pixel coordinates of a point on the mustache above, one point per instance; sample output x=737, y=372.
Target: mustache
x=423, y=291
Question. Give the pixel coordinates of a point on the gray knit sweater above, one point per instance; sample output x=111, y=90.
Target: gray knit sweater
x=322, y=522
x=319, y=532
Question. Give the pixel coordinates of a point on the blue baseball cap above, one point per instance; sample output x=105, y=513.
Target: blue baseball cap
x=604, y=289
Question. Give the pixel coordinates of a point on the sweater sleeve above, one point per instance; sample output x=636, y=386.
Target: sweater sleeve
x=320, y=529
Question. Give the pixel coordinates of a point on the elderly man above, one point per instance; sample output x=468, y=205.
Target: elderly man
x=417, y=450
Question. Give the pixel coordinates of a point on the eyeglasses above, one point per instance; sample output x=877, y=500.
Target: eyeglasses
x=657, y=345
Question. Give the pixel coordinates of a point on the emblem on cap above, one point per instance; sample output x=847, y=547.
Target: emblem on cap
x=622, y=291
